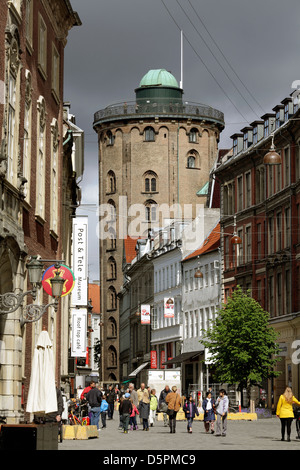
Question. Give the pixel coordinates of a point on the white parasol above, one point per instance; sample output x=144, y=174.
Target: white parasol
x=42, y=396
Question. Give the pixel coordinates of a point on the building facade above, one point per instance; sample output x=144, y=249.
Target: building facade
x=261, y=204
x=33, y=35
x=155, y=151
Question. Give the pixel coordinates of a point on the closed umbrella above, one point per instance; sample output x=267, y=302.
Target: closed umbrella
x=42, y=397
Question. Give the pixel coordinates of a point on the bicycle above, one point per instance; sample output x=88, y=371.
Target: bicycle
x=75, y=420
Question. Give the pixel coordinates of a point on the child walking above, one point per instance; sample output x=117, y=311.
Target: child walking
x=103, y=411
x=132, y=420
x=190, y=410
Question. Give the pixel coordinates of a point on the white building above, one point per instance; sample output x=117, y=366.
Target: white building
x=200, y=302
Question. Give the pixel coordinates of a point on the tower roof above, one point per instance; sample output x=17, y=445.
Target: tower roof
x=159, y=77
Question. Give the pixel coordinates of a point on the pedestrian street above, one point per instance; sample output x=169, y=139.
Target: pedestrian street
x=263, y=434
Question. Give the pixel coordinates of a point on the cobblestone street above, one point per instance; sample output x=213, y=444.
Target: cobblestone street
x=263, y=434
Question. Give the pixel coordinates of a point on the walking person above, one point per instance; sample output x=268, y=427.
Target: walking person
x=132, y=421
x=190, y=410
x=111, y=397
x=133, y=395
x=173, y=401
x=162, y=405
x=103, y=411
x=94, y=398
x=222, y=403
x=153, y=406
x=208, y=406
x=126, y=410
x=285, y=412
x=144, y=409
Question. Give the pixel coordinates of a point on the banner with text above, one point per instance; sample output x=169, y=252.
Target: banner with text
x=80, y=261
x=79, y=329
x=169, y=307
x=145, y=314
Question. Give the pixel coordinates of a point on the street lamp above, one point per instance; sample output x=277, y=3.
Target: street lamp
x=10, y=302
x=198, y=274
x=272, y=157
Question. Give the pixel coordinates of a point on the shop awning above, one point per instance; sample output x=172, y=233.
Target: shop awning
x=183, y=357
x=136, y=371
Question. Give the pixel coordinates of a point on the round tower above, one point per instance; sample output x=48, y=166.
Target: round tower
x=157, y=150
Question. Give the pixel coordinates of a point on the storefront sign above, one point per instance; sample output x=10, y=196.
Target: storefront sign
x=169, y=307
x=162, y=359
x=153, y=360
x=79, y=332
x=80, y=261
x=145, y=314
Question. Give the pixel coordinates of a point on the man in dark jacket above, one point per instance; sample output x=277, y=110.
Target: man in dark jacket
x=162, y=405
x=125, y=411
x=94, y=397
x=110, y=398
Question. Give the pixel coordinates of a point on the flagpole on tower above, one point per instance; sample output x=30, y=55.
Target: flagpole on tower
x=181, y=80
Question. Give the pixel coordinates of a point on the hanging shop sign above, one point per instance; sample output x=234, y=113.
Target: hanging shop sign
x=80, y=261
x=169, y=307
x=79, y=329
x=64, y=273
x=145, y=314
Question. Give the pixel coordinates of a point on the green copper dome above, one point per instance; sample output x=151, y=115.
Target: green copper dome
x=159, y=77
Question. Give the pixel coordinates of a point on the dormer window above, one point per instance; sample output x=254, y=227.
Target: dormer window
x=258, y=130
x=269, y=124
x=237, y=143
x=288, y=108
x=248, y=137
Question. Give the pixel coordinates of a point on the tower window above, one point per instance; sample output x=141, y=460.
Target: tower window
x=150, y=182
x=193, y=136
x=191, y=162
x=149, y=134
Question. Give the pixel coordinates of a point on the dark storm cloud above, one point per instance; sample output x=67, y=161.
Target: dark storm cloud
x=120, y=40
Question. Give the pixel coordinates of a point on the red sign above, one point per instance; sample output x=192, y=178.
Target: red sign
x=162, y=359
x=65, y=273
x=153, y=360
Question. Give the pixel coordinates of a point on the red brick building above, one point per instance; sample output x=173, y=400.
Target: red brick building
x=261, y=204
x=34, y=172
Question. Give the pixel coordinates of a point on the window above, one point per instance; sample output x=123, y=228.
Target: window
x=150, y=211
x=55, y=73
x=193, y=136
x=111, y=182
x=54, y=177
x=270, y=180
x=255, y=135
x=42, y=47
x=260, y=185
x=248, y=189
x=279, y=293
x=112, y=357
x=287, y=292
x=111, y=268
x=27, y=135
x=112, y=327
x=212, y=274
x=287, y=166
x=29, y=23
x=271, y=296
x=248, y=254
x=287, y=221
x=259, y=244
x=150, y=182
x=111, y=299
x=271, y=235
x=191, y=162
x=240, y=193
x=239, y=248
x=11, y=143
x=110, y=138
x=149, y=134
x=278, y=231
x=41, y=159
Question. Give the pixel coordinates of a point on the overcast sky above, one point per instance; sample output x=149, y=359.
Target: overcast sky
x=240, y=56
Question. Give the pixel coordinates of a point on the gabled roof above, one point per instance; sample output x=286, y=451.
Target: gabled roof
x=211, y=243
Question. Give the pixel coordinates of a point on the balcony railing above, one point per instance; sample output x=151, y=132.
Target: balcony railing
x=128, y=110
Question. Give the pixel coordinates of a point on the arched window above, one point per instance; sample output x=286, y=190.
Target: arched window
x=111, y=299
x=112, y=357
x=111, y=182
x=150, y=211
x=111, y=268
x=110, y=138
x=191, y=162
x=149, y=134
x=193, y=135
x=151, y=182
x=112, y=327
